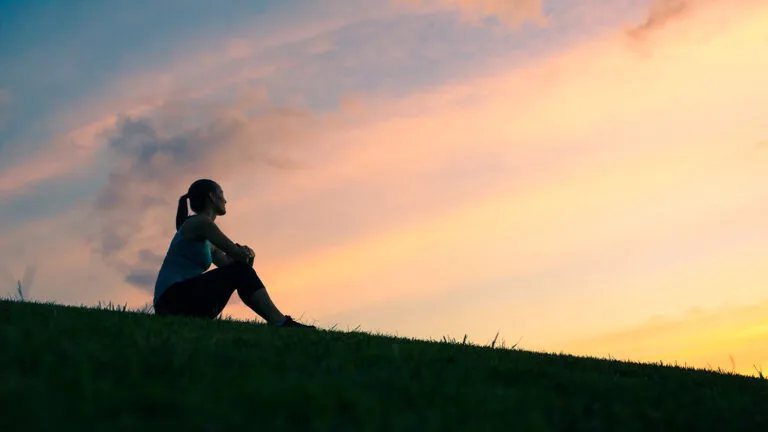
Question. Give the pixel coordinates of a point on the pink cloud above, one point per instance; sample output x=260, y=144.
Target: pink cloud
x=65, y=155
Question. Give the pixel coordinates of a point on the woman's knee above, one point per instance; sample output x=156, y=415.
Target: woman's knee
x=246, y=275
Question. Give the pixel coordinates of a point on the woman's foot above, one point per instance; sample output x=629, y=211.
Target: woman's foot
x=289, y=322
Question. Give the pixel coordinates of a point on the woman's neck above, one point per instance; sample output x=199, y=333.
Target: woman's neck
x=209, y=213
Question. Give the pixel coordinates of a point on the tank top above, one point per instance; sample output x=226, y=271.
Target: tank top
x=184, y=259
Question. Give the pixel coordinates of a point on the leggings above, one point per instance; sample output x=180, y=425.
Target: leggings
x=205, y=296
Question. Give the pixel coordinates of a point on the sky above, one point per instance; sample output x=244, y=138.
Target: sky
x=578, y=177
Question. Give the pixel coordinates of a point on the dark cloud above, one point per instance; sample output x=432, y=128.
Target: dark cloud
x=144, y=270
x=155, y=158
x=142, y=279
x=660, y=14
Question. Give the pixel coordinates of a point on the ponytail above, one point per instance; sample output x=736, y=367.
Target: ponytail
x=183, y=211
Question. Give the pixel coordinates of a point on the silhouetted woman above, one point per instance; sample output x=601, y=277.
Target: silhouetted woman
x=185, y=287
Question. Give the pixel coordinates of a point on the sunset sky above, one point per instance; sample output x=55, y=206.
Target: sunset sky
x=584, y=177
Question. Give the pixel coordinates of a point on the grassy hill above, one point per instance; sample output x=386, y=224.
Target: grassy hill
x=70, y=368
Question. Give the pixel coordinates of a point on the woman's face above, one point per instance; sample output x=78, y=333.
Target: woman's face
x=219, y=202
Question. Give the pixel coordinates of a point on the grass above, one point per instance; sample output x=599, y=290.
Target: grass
x=76, y=368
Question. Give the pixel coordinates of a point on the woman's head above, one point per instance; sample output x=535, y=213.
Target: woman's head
x=204, y=195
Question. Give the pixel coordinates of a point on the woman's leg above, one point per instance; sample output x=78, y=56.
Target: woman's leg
x=202, y=296
x=253, y=293
x=207, y=294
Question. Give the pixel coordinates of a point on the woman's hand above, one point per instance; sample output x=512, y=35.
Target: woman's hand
x=248, y=251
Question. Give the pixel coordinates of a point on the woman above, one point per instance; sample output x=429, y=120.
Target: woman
x=183, y=285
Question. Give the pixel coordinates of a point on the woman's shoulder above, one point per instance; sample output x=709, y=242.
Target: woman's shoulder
x=192, y=228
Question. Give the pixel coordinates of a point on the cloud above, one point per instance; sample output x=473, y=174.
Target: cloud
x=66, y=154
x=665, y=12
x=660, y=13
x=72, y=137
x=144, y=272
x=295, y=62
x=156, y=157
x=513, y=13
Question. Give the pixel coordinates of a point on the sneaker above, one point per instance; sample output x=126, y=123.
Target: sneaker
x=289, y=322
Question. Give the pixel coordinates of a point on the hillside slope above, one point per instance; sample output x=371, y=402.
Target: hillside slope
x=86, y=369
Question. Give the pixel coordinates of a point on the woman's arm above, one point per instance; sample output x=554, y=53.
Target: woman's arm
x=220, y=259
